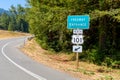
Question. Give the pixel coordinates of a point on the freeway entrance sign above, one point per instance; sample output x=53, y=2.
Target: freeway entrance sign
x=78, y=22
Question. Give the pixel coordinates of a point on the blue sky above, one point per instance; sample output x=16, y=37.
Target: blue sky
x=5, y=4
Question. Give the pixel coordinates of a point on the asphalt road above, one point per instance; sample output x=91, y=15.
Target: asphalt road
x=15, y=65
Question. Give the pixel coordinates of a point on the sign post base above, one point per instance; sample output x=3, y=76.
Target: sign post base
x=77, y=60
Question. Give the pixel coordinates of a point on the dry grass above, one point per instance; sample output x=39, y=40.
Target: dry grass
x=86, y=71
x=8, y=34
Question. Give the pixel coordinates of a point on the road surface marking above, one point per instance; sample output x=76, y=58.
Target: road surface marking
x=20, y=67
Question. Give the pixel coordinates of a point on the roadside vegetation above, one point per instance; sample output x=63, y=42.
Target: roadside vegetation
x=47, y=21
x=15, y=20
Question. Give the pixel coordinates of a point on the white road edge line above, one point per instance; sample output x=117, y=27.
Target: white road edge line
x=20, y=67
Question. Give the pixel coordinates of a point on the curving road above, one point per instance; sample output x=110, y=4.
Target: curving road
x=14, y=65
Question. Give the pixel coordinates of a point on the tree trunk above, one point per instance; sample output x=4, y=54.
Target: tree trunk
x=102, y=34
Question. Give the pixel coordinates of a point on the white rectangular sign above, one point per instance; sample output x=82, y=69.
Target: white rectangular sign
x=77, y=39
x=77, y=31
x=77, y=48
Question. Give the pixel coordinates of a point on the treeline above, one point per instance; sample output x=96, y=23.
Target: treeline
x=15, y=20
x=48, y=18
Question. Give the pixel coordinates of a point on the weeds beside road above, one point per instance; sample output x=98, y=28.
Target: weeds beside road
x=62, y=62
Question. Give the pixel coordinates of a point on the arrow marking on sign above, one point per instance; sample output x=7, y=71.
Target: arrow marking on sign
x=77, y=48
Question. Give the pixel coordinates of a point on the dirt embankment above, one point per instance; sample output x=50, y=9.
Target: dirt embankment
x=86, y=71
